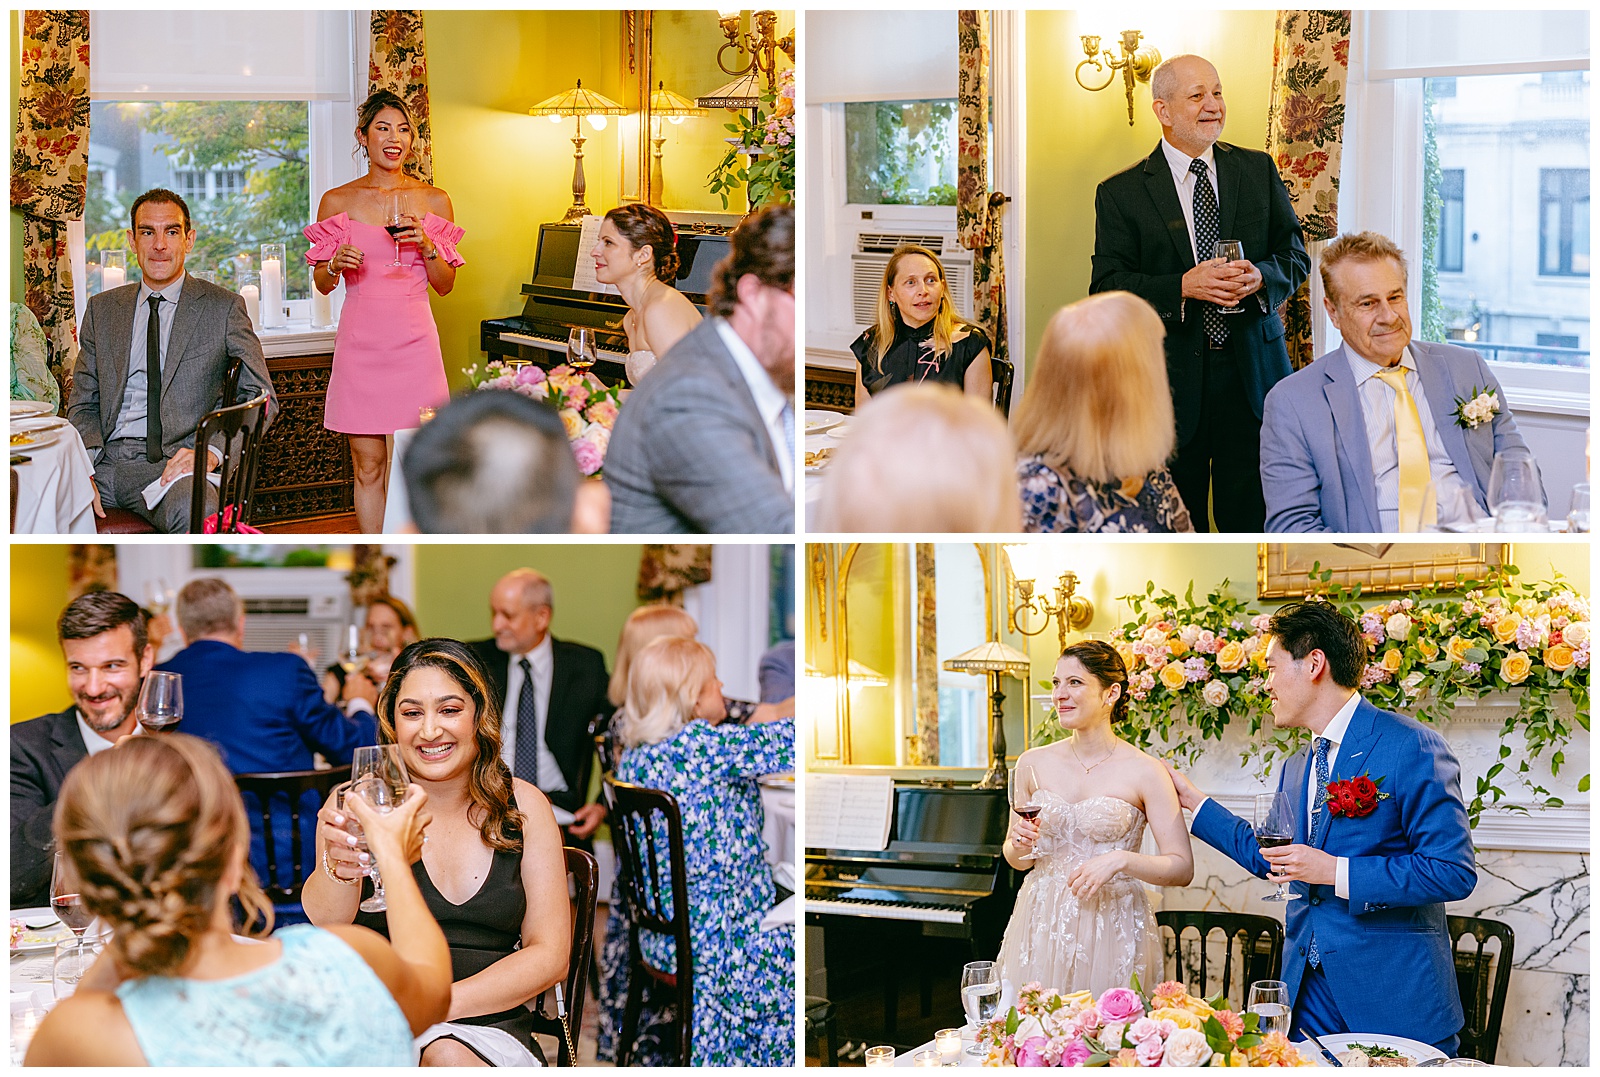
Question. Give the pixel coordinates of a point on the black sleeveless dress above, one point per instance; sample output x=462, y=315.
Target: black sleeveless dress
x=480, y=931
x=911, y=357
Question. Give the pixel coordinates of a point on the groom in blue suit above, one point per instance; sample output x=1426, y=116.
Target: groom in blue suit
x=1368, y=950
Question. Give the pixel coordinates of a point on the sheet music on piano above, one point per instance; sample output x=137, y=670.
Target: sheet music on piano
x=583, y=278
x=849, y=811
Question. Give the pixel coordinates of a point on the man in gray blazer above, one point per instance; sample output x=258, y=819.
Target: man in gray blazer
x=175, y=326
x=706, y=442
x=1357, y=440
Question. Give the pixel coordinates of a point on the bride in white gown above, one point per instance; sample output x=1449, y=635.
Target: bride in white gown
x=1083, y=919
x=637, y=252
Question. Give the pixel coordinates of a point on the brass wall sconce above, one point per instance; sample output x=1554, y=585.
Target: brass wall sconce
x=1135, y=63
x=762, y=45
x=578, y=103
x=1071, y=611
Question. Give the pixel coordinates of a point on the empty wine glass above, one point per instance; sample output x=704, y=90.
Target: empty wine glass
x=1578, y=514
x=157, y=596
x=395, y=220
x=160, y=706
x=1024, y=803
x=580, y=349
x=378, y=775
x=980, y=996
x=1269, y=1001
x=353, y=660
x=1230, y=250
x=1515, y=495
x=1275, y=827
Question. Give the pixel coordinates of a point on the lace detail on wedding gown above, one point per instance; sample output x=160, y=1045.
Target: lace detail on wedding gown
x=1097, y=944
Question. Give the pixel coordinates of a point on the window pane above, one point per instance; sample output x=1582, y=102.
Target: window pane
x=242, y=166
x=901, y=152
x=1519, y=144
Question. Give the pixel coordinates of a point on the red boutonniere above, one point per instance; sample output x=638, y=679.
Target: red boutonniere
x=1355, y=797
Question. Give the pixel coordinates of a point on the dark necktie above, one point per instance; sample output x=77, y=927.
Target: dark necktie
x=1207, y=222
x=152, y=382
x=1319, y=815
x=527, y=750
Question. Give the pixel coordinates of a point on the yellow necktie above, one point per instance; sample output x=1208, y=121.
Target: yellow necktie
x=1417, y=510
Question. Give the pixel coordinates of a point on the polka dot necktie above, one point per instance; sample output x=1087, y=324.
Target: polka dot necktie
x=1207, y=223
x=1318, y=817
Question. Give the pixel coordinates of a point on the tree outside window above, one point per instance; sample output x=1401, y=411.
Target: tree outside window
x=901, y=152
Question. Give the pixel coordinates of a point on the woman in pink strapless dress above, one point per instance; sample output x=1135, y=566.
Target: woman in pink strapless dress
x=386, y=358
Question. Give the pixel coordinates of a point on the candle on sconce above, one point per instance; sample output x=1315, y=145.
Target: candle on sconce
x=252, y=303
x=321, y=304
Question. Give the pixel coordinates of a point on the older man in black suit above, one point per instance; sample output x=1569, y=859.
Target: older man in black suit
x=1155, y=226
x=549, y=691
x=153, y=360
x=104, y=641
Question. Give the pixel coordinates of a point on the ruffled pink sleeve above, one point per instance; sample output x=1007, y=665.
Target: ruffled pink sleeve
x=445, y=235
x=325, y=237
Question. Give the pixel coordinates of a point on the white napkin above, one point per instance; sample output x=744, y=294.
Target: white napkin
x=158, y=490
x=780, y=914
x=783, y=875
x=563, y=816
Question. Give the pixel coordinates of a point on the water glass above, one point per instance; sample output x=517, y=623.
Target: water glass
x=73, y=958
x=980, y=996
x=378, y=775
x=880, y=1056
x=1515, y=495
x=1578, y=515
x=1230, y=250
x=1269, y=1001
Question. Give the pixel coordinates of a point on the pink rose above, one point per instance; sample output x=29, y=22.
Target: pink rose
x=1144, y=1028
x=578, y=396
x=1032, y=1052
x=1120, y=1004
x=588, y=455
x=1088, y=1020
x=1149, y=1051
x=528, y=374
x=1075, y=1053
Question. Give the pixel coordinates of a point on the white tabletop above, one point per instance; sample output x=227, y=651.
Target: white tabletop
x=55, y=488
x=777, y=800
x=397, y=508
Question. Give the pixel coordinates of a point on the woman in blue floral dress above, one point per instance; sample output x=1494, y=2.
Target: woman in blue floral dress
x=743, y=976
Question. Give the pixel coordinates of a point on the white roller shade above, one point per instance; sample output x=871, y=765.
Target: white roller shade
x=1420, y=44
x=220, y=55
x=879, y=56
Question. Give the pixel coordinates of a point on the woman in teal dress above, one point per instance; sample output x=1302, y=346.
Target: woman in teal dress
x=743, y=976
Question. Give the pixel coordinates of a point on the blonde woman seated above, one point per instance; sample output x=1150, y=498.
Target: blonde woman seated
x=155, y=834
x=922, y=458
x=743, y=976
x=918, y=335
x=1095, y=427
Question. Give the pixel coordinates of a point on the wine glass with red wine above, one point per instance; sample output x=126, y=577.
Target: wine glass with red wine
x=66, y=901
x=1024, y=801
x=1275, y=828
x=395, y=221
x=160, y=706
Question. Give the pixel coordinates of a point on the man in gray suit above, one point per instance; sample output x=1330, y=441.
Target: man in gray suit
x=706, y=442
x=151, y=363
x=1358, y=440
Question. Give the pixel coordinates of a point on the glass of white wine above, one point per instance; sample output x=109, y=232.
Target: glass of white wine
x=1229, y=250
x=1269, y=1001
x=581, y=349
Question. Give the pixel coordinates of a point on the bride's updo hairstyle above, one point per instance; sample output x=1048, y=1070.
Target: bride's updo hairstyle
x=663, y=685
x=643, y=225
x=1106, y=666
x=151, y=829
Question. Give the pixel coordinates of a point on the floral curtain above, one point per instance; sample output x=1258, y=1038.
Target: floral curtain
x=400, y=63
x=1305, y=132
x=665, y=572
x=50, y=168
x=924, y=747
x=978, y=209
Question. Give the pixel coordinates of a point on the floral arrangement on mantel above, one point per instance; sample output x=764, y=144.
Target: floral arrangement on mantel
x=1123, y=1027
x=769, y=142
x=1206, y=661
x=588, y=406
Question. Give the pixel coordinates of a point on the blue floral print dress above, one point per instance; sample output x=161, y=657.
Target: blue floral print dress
x=743, y=976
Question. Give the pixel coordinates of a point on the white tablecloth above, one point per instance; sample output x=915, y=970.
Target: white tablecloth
x=397, y=509
x=777, y=800
x=55, y=488
x=824, y=440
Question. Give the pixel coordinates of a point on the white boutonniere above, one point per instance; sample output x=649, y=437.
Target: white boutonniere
x=1477, y=408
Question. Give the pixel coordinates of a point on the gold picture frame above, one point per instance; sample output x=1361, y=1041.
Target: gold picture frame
x=1380, y=568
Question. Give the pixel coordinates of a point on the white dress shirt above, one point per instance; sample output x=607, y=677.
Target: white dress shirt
x=1456, y=503
x=770, y=400
x=1184, y=180
x=92, y=740
x=136, y=398
x=542, y=662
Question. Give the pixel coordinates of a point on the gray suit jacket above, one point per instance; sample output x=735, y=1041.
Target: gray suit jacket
x=690, y=452
x=1316, y=469
x=211, y=329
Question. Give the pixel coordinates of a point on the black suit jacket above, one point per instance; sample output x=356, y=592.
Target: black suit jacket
x=1141, y=245
x=42, y=751
x=577, y=694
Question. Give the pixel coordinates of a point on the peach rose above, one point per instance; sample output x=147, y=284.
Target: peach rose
x=1559, y=657
x=1456, y=649
x=1232, y=657
x=1172, y=676
x=1428, y=649
x=1505, y=629
x=1176, y=647
x=572, y=421
x=1392, y=659
x=1125, y=652
x=1180, y=1017
x=1515, y=667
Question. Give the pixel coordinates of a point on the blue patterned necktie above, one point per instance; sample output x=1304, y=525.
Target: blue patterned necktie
x=1318, y=817
x=527, y=749
x=1207, y=223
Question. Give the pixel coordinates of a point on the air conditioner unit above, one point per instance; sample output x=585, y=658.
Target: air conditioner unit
x=871, y=255
x=279, y=605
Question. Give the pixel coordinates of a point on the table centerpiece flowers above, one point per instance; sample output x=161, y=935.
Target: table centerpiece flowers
x=587, y=406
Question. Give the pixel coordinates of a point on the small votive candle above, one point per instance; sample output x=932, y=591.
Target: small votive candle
x=948, y=1041
x=929, y=1057
x=425, y=413
x=880, y=1056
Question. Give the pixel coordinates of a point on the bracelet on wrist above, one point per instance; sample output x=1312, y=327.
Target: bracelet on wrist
x=327, y=869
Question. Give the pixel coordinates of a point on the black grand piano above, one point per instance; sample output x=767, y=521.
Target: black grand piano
x=552, y=308
x=939, y=896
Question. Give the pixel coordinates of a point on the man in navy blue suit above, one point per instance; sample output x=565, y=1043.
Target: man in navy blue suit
x=264, y=710
x=1368, y=950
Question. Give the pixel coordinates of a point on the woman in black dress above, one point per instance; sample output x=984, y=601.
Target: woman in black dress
x=918, y=335
x=492, y=870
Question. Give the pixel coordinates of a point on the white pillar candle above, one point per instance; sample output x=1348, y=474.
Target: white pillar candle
x=252, y=303
x=321, y=305
x=271, y=293
x=112, y=277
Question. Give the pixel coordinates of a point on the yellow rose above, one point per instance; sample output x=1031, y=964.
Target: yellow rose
x=1172, y=676
x=1392, y=659
x=1176, y=647
x=1456, y=649
x=1198, y=1006
x=1515, y=667
x=1505, y=629
x=1559, y=657
x=1181, y=1018
x=1428, y=649
x=1078, y=999
x=1231, y=658
x=1125, y=652
x=572, y=421
x=1259, y=657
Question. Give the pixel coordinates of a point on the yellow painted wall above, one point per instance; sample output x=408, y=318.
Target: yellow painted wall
x=38, y=594
x=1077, y=138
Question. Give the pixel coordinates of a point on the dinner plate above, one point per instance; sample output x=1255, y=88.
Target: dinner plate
x=40, y=940
x=1344, y=1041
x=34, y=439
x=818, y=420
x=38, y=422
x=21, y=409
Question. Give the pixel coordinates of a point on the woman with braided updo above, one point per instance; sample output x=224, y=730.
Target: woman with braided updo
x=1083, y=920
x=156, y=834
x=638, y=253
